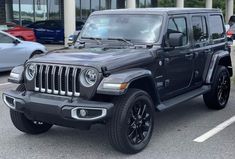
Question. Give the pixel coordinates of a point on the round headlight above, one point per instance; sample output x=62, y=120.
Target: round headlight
x=89, y=77
x=30, y=71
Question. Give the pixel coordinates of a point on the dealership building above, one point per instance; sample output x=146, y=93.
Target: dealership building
x=24, y=12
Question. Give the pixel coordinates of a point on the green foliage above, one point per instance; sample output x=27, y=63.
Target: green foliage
x=193, y=3
x=166, y=3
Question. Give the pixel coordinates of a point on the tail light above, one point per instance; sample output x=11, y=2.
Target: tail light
x=229, y=34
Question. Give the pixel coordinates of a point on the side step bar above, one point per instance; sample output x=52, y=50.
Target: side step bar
x=182, y=98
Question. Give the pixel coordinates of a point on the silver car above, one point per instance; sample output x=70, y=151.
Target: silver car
x=14, y=52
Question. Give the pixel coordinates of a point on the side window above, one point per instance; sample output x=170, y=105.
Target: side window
x=40, y=25
x=200, y=32
x=5, y=39
x=178, y=25
x=216, y=27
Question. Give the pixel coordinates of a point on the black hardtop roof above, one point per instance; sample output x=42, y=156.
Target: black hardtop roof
x=158, y=11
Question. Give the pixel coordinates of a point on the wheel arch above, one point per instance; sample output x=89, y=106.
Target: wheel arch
x=220, y=58
x=134, y=78
x=227, y=62
x=147, y=84
x=35, y=52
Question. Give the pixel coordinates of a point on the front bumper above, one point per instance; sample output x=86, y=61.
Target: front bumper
x=58, y=110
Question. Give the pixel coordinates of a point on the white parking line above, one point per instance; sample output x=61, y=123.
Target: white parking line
x=3, y=84
x=215, y=130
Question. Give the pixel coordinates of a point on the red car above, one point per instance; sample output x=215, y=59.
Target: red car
x=20, y=32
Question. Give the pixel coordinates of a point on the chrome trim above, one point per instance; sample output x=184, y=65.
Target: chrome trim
x=59, y=80
x=67, y=80
x=75, y=116
x=46, y=77
x=74, y=75
x=53, y=79
x=7, y=103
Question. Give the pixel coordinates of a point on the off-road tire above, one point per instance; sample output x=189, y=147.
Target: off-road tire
x=22, y=123
x=221, y=84
x=124, y=115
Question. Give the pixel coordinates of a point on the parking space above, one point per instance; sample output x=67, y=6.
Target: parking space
x=173, y=136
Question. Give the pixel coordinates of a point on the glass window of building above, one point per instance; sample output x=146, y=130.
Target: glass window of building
x=113, y=4
x=40, y=10
x=143, y=3
x=95, y=5
x=169, y=3
x=78, y=9
x=85, y=7
x=54, y=9
x=105, y=4
x=140, y=3
x=27, y=14
x=148, y=3
x=12, y=11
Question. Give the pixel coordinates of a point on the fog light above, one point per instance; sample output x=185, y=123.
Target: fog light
x=83, y=113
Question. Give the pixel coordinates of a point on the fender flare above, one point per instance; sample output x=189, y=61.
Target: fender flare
x=128, y=76
x=215, y=62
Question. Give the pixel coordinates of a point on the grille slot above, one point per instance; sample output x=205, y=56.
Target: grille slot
x=59, y=79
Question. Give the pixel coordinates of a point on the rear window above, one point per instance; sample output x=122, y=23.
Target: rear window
x=200, y=32
x=216, y=27
x=232, y=19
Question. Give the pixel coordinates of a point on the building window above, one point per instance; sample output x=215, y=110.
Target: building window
x=15, y=13
x=113, y=4
x=78, y=9
x=105, y=4
x=85, y=7
x=143, y=3
x=95, y=5
x=54, y=9
x=41, y=10
x=26, y=11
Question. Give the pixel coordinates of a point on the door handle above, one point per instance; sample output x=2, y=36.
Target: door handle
x=189, y=56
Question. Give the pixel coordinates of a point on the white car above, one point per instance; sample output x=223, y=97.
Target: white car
x=14, y=52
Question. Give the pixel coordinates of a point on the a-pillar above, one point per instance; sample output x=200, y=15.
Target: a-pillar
x=209, y=3
x=69, y=19
x=229, y=9
x=131, y=4
x=180, y=3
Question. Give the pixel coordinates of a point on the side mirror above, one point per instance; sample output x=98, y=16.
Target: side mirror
x=176, y=39
x=16, y=41
x=73, y=38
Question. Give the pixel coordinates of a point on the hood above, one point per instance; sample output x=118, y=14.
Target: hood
x=33, y=46
x=112, y=59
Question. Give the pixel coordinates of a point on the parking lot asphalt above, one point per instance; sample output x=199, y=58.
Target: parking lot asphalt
x=174, y=132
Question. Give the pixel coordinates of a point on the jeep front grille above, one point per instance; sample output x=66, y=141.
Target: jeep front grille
x=57, y=79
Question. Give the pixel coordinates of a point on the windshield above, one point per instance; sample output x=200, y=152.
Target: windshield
x=136, y=28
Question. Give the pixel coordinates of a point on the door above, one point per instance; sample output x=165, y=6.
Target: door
x=40, y=31
x=201, y=47
x=54, y=31
x=178, y=61
x=11, y=54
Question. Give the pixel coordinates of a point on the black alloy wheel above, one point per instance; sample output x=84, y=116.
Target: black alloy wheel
x=139, y=123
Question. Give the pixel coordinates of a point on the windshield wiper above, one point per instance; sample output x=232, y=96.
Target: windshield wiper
x=122, y=39
x=98, y=40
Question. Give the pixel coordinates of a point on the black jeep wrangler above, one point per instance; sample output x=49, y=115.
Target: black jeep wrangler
x=125, y=65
